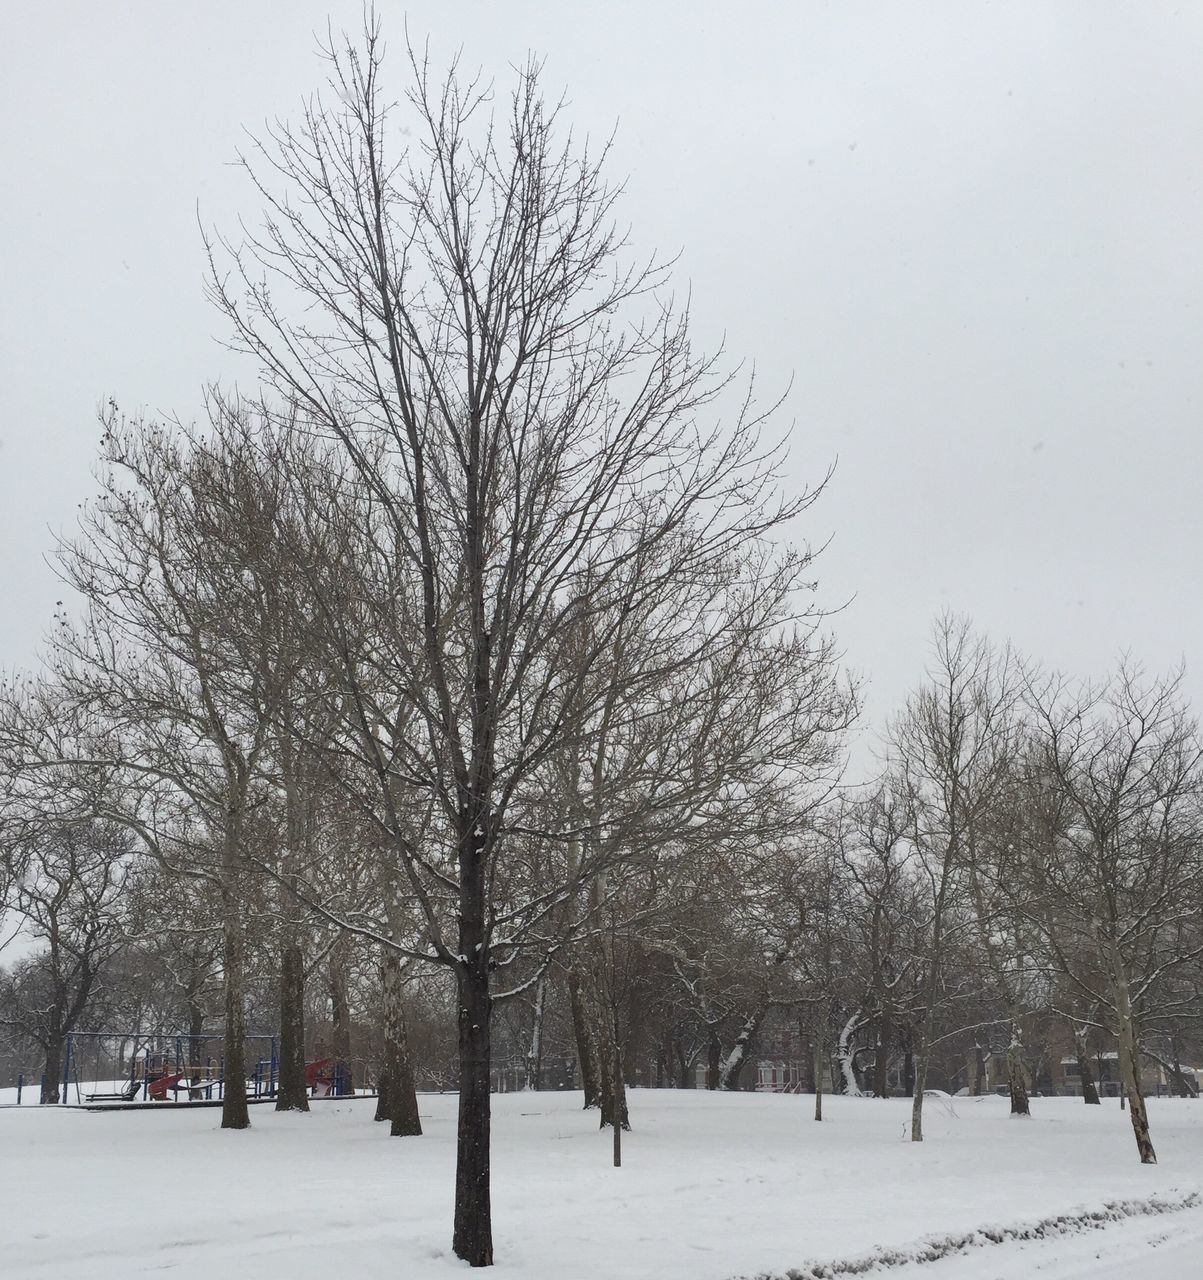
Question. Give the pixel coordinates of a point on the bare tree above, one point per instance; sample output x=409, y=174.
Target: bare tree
x=1117, y=868
x=535, y=465
x=954, y=745
x=67, y=889
x=166, y=692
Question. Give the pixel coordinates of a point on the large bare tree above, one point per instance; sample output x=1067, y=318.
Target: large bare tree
x=539, y=461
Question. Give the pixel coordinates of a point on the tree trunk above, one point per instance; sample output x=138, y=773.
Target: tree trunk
x=473, y=1235
x=1016, y=1083
x=917, y=1097
x=685, y=1076
x=620, y=1095
x=534, y=1055
x=398, y=1097
x=196, y=1027
x=847, y=1054
x=881, y=1067
x=604, y=1034
x=586, y=1053
x=714, y=1058
x=291, y=1093
x=818, y=1069
x=1129, y=1057
x=340, y=1016
x=1182, y=1087
x=738, y=1057
x=1090, y=1095
x=980, y=1076
x=1129, y=1066
x=382, y=1091
x=234, y=1111
x=614, y=1089
x=52, y=1069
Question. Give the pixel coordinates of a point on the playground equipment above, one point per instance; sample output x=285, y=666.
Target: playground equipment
x=153, y=1067
x=326, y=1078
x=126, y=1068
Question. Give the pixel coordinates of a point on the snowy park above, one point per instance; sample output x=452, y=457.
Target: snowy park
x=600, y=640
x=712, y=1187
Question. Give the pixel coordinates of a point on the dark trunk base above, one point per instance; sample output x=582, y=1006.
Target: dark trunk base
x=291, y=1093
x=472, y=1239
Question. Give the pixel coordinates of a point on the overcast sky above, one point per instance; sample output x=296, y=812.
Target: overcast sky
x=970, y=232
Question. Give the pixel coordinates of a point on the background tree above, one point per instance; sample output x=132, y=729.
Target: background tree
x=1116, y=871
x=953, y=745
x=68, y=890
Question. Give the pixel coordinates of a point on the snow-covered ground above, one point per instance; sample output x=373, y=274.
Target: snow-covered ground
x=712, y=1186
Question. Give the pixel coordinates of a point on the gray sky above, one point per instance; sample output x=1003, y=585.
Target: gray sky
x=970, y=231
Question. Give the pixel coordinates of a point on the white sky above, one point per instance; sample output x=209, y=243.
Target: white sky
x=970, y=231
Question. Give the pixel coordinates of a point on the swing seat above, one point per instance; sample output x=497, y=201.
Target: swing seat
x=126, y=1094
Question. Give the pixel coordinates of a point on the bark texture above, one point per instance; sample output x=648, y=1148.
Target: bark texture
x=291, y=1093
x=586, y=1052
x=398, y=1102
x=472, y=1238
x=235, y=1113
x=1016, y=1078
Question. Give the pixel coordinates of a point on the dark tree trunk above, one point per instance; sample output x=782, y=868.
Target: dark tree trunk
x=908, y=1072
x=340, y=1016
x=586, y=1054
x=1090, y=1094
x=818, y=1065
x=235, y=1113
x=685, y=1076
x=52, y=1068
x=614, y=1090
x=291, y=1093
x=979, y=1071
x=604, y=1034
x=382, y=1093
x=1016, y=1083
x=714, y=1058
x=809, y=1059
x=1181, y=1086
x=398, y=1097
x=473, y=1236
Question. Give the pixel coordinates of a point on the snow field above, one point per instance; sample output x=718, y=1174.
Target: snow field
x=713, y=1186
